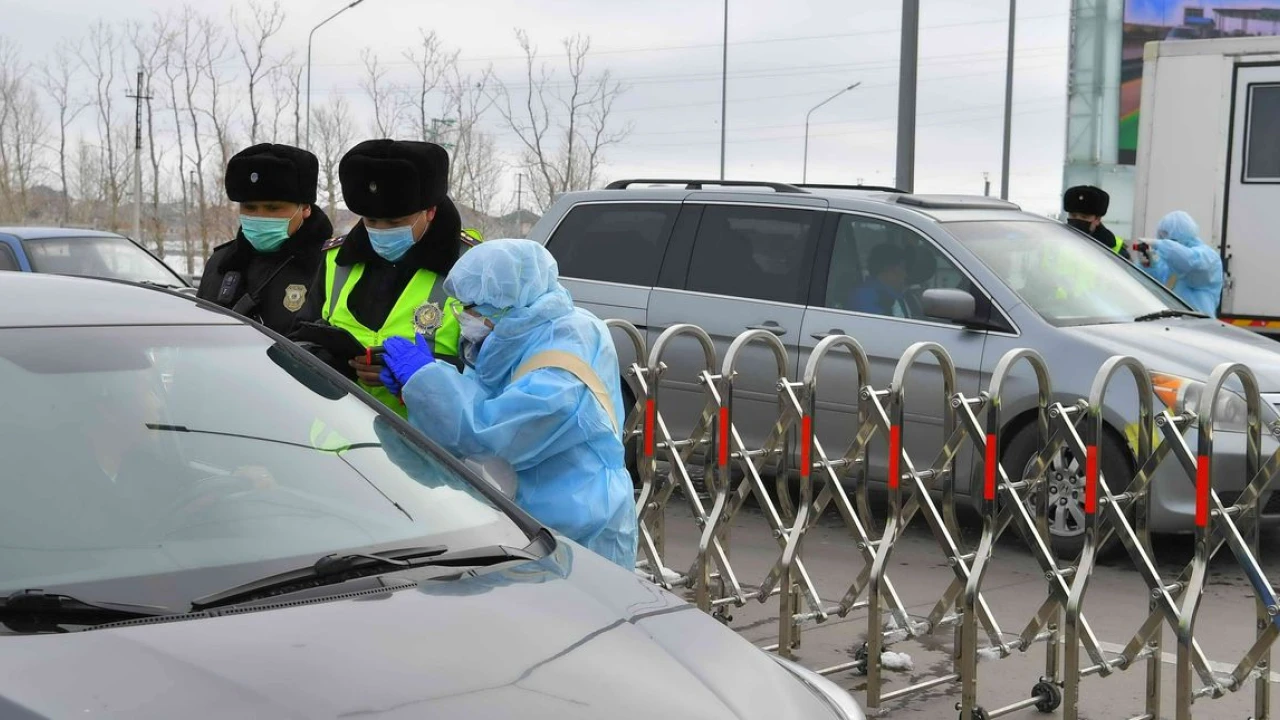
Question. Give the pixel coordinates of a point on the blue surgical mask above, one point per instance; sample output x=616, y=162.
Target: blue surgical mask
x=391, y=245
x=266, y=234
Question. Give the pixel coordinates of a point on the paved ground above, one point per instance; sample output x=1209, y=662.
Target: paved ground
x=1116, y=605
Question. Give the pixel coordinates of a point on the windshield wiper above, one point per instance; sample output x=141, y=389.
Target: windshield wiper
x=341, y=567
x=1166, y=314
x=40, y=611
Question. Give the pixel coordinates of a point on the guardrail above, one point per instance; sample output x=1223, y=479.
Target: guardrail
x=1022, y=503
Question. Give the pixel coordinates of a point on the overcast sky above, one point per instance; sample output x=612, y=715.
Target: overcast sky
x=784, y=57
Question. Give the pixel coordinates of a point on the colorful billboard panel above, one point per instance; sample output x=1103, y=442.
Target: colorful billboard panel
x=1152, y=20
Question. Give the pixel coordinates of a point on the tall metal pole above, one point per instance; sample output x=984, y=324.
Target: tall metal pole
x=908, y=63
x=137, y=97
x=724, y=86
x=804, y=175
x=520, y=203
x=309, y=37
x=1008, y=104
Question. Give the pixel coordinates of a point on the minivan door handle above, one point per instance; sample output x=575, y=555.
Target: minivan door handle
x=827, y=334
x=769, y=326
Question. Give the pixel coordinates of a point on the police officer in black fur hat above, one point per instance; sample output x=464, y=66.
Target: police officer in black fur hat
x=385, y=278
x=264, y=273
x=1085, y=206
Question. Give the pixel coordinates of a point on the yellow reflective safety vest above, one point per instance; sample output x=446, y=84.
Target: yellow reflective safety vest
x=423, y=308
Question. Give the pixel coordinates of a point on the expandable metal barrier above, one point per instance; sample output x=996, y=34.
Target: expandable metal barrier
x=1021, y=503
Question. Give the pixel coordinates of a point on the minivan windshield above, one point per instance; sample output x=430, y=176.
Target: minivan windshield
x=160, y=464
x=1065, y=276
x=114, y=258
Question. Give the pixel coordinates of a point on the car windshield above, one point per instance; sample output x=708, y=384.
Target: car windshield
x=115, y=258
x=160, y=464
x=1063, y=275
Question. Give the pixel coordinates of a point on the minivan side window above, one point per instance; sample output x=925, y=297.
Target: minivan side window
x=882, y=268
x=8, y=261
x=614, y=242
x=763, y=253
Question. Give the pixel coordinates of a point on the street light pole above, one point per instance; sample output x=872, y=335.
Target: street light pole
x=908, y=64
x=309, y=37
x=1008, y=104
x=805, y=174
x=724, y=86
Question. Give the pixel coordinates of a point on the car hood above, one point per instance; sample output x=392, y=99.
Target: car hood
x=570, y=636
x=1190, y=347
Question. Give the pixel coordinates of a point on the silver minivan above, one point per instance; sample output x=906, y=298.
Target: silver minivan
x=806, y=261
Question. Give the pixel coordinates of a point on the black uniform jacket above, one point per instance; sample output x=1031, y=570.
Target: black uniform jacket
x=270, y=288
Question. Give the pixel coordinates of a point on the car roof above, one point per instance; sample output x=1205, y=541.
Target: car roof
x=37, y=300
x=45, y=233
x=884, y=201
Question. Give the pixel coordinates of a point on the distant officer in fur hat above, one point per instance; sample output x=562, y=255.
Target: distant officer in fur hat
x=1085, y=206
x=263, y=274
x=385, y=278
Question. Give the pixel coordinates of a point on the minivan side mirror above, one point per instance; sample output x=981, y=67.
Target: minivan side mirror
x=497, y=472
x=957, y=306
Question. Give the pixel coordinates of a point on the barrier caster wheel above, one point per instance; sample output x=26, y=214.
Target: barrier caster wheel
x=1050, y=696
x=861, y=655
x=976, y=714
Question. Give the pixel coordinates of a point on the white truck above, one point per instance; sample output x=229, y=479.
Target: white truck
x=1209, y=144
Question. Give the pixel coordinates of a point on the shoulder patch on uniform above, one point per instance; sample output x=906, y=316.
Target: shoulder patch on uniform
x=332, y=243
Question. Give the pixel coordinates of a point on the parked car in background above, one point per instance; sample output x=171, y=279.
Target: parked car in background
x=200, y=520
x=975, y=275
x=85, y=253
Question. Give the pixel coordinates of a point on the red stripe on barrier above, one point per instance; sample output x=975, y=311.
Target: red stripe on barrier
x=724, y=436
x=806, y=445
x=649, y=440
x=1202, y=491
x=1091, y=480
x=895, y=456
x=989, y=469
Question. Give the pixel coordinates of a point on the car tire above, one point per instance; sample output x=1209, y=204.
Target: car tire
x=1066, y=484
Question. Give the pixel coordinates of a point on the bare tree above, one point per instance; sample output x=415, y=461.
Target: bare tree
x=334, y=131
x=295, y=86
x=213, y=51
x=283, y=102
x=192, y=39
x=151, y=43
x=476, y=170
x=563, y=126
x=431, y=65
x=172, y=63
x=387, y=98
x=11, y=73
x=27, y=129
x=252, y=37
x=57, y=77
x=103, y=61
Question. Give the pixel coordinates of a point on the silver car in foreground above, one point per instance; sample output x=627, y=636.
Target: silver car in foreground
x=892, y=269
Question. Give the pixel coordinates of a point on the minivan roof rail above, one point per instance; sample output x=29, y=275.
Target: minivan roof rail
x=699, y=184
x=870, y=188
x=955, y=202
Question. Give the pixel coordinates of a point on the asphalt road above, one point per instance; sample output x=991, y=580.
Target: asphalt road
x=1115, y=606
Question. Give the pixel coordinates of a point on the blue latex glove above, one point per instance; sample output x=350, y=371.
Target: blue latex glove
x=404, y=358
x=389, y=381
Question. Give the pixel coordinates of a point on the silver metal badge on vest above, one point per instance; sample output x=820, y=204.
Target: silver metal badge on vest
x=294, y=297
x=427, y=319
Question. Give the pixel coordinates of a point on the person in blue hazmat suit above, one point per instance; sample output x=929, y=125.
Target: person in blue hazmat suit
x=540, y=389
x=1180, y=253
